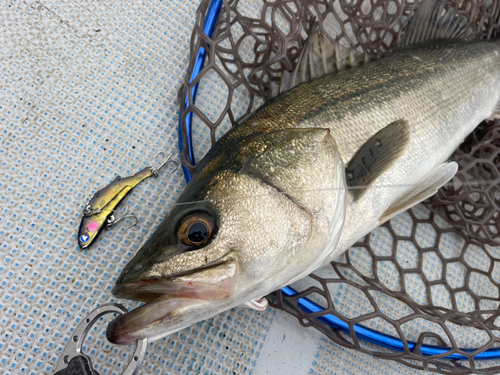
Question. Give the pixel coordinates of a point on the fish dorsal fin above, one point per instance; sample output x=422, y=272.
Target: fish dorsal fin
x=437, y=20
x=423, y=190
x=376, y=156
x=320, y=56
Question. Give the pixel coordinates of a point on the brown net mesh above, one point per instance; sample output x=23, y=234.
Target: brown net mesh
x=472, y=201
x=430, y=275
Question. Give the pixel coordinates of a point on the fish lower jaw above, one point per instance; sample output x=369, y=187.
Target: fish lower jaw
x=150, y=320
x=170, y=304
x=160, y=334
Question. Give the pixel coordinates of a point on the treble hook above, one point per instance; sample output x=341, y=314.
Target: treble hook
x=112, y=221
x=156, y=170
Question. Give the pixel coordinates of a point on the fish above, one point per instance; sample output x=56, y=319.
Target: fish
x=346, y=145
x=99, y=210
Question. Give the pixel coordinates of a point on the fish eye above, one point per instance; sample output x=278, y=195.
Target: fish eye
x=195, y=229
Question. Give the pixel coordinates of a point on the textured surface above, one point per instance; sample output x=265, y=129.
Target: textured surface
x=256, y=42
x=88, y=91
x=373, y=26
x=440, y=279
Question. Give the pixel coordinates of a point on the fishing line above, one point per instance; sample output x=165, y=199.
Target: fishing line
x=361, y=331
x=288, y=192
x=305, y=304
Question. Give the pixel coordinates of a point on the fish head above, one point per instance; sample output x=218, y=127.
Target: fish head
x=247, y=224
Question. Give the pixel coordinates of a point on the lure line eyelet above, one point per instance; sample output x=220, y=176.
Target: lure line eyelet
x=155, y=170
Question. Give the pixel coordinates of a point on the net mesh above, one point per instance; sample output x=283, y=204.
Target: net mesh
x=431, y=275
x=471, y=202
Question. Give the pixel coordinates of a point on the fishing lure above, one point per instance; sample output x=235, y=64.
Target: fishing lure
x=99, y=211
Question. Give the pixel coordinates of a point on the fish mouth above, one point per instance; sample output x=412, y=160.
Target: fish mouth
x=167, y=299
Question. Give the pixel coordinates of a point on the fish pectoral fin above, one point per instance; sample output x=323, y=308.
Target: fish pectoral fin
x=378, y=154
x=421, y=191
x=319, y=57
x=438, y=20
x=257, y=304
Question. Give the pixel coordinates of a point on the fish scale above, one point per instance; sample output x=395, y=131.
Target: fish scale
x=352, y=103
x=443, y=100
x=276, y=184
x=470, y=83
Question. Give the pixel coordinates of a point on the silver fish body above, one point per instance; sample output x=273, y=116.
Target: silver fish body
x=443, y=90
x=274, y=193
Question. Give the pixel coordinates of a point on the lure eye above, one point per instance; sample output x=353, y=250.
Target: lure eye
x=195, y=229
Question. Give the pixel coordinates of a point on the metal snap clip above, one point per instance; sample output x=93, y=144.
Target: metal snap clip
x=73, y=361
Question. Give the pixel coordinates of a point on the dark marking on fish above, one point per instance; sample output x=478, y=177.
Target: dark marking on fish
x=376, y=156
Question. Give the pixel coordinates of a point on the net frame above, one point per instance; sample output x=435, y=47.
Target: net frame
x=374, y=27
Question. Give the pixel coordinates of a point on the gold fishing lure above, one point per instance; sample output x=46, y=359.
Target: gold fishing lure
x=99, y=210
